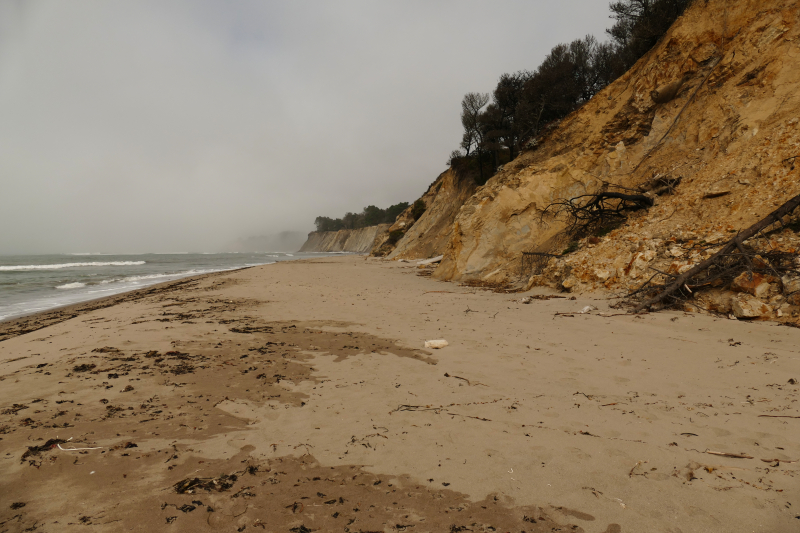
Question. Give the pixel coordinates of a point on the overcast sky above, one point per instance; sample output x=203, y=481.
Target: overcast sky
x=158, y=126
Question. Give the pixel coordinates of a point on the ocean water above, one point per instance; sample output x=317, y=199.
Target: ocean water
x=33, y=283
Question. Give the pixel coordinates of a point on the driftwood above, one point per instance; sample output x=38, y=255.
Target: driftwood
x=733, y=245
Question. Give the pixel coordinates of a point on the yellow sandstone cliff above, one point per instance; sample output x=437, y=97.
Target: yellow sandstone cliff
x=731, y=132
x=427, y=236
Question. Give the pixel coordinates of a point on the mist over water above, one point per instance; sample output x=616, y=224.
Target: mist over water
x=29, y=284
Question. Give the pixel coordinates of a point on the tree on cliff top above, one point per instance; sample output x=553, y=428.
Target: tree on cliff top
x=369, y=216
x=639, y=25
x=523, y=104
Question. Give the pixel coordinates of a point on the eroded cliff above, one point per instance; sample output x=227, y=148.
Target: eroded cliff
x=428, y=235
x=731, y=133
x=346, y=240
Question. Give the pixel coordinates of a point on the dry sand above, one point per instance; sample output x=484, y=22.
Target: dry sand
x=298, y=397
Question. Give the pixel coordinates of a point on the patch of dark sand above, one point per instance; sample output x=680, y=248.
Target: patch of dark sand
x=175, y=392
x=282, y=494
x=344, y=344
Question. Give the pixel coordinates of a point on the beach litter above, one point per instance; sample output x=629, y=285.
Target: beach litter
x=76, y=449
x=432, y=260
x=436, y=344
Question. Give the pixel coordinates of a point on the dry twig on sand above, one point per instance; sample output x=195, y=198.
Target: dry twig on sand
x=731, y=455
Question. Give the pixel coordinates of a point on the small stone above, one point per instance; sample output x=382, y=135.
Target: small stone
x=791, y=289
x=569, y=283
x=602, y=274
x=752, y=283
x=717, y=300
x=748, y=307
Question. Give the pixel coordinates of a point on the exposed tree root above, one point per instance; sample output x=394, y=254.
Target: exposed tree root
x=590, y=212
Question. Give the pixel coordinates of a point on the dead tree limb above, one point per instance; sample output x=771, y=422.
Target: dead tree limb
x=591, y=211
x=733, y=244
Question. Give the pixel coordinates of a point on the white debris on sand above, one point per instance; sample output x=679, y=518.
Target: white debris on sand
x=436, y=344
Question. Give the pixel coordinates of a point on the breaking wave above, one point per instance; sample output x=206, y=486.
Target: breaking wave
x=165, y=275
x=23, y=268
x=76, y=285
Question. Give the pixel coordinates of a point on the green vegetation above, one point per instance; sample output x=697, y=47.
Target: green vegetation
x=418, y=209
x=395, y=236
x=571, y=247
x=526, y=105
x=370, y=216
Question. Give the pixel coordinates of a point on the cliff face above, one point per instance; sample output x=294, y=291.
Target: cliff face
x=428, y=236
x=346, y=240
x=731, y=134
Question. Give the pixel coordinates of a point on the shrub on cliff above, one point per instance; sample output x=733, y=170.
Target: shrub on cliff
x=395, y=236
x=418, y=209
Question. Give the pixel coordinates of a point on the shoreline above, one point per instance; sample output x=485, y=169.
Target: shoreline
x=65, y=312
x=88, y=305
x=303, y=397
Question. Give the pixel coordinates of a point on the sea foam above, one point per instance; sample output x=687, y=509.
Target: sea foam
x=22, y=268
x=76, y=285
x=165, y=275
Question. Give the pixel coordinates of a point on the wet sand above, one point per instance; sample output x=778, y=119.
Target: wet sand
x=299, y=397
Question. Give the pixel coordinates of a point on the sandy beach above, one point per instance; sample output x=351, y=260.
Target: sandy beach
x=299, y=397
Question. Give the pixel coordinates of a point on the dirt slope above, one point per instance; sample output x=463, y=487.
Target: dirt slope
x=429, y=235
x=731, y=134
